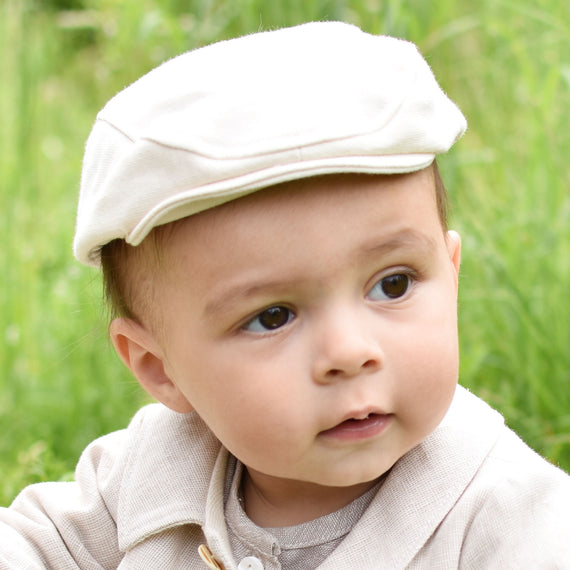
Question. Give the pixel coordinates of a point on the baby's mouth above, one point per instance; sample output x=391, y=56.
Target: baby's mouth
x=359, y=427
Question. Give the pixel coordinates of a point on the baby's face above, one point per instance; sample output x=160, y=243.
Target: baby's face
x=313, y=326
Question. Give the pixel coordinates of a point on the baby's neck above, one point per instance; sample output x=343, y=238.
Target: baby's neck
x=271, y=502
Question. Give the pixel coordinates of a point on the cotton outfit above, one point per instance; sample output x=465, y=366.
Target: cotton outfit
x=471, y=496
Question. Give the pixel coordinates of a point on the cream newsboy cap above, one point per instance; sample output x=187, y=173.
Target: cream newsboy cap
x=225, y=120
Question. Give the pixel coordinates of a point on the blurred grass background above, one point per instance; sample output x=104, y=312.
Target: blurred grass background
x=506, y=63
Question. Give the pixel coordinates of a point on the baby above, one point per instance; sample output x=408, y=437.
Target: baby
x=271, y=225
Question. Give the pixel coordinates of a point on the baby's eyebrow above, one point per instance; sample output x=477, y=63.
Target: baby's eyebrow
x=246, y=291
x=408, y=239
x=405, y=239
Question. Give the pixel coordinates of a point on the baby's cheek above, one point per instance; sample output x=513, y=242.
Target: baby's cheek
x=429, y=391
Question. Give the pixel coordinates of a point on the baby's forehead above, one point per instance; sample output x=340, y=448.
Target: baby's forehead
x=319, y=202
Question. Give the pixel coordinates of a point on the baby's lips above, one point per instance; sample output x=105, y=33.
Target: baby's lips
x=358, y=423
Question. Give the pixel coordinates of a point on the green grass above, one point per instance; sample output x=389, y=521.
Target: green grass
x=506, y=63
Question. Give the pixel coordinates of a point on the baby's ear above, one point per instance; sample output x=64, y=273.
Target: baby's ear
x=453, y=241
x=144, y=357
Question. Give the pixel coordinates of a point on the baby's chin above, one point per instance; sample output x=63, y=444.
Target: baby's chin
x=364, y=472
x=361, y=476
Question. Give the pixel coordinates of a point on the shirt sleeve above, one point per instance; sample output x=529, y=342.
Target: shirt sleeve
x=68, y=525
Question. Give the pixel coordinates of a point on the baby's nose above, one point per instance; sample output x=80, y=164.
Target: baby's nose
x=345, y=349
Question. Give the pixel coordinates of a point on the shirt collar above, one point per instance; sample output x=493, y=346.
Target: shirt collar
x=174, y=472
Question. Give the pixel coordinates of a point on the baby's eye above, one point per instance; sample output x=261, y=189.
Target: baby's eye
x=270, y=319
x=390, y=287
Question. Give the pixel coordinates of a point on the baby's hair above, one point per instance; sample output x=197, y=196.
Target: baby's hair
x=129, y=272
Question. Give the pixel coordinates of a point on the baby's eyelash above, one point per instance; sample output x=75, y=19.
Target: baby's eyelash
x=270, y=319
x=393, y=286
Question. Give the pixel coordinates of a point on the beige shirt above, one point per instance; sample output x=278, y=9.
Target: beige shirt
x=472, y=495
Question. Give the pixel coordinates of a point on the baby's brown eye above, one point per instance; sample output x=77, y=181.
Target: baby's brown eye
x=395, y=285
x=270, y=319
x=390, y=287
x=274, y=317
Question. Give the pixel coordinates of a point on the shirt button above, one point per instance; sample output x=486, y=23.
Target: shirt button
x=250, y=563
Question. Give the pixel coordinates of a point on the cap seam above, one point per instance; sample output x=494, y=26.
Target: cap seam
x=116, y=128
